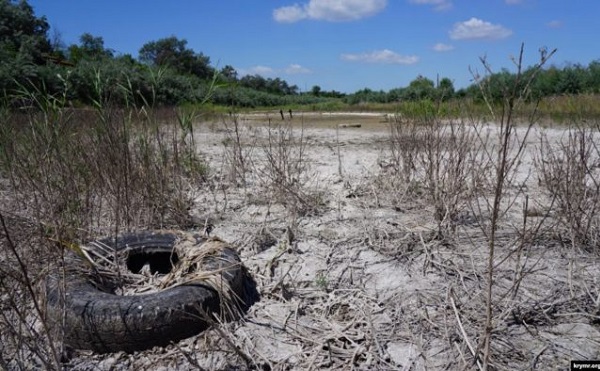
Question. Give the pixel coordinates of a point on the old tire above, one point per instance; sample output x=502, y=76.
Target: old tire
x=96, y=319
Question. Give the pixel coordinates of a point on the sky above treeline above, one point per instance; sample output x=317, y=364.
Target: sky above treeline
x=343, y=45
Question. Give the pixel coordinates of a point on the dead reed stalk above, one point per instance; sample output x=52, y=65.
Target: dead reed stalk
x=238, y=150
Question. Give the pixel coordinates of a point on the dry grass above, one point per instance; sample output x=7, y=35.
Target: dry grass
x=369, y=276
x=370, y=287
x=27, y=340
x=568, y=171
x=68, y=175
x=441, y=161
x=194, y=257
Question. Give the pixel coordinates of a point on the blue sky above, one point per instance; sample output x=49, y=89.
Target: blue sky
x=343, y=45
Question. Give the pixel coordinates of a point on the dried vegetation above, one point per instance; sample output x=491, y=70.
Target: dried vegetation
x=433, y=244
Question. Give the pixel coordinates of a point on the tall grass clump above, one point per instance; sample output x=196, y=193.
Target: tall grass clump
x=568, y=108
x=79, y=170
x=435, y=159
x=68, y=175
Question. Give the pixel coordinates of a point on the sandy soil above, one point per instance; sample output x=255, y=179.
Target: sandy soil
x=364, y=281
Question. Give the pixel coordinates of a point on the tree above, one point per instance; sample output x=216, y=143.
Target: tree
x=420, y=88
x=316, y=90
x=572, y=80
x=275, y=86
x=90, y=47
x=367, y=95
x=593, y=79
x=172, y=52
x=445, y=88
x=229, y=73
x=545, y=83
x=23, y=36
x=496, y=84
x=256, y=82
x=24, y=45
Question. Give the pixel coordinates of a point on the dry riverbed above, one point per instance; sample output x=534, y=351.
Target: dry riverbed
x=354, y=272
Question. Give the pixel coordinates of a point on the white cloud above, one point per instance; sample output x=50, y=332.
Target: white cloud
x=265, y=71
x=440, y=47
x=381, y=56
x=296, y=69
x=289, y=14
x=439, y=5
x=477, y=29
x=329, y=10
x=555, y=24
x=258, y=70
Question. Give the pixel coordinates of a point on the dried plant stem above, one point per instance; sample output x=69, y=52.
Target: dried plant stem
x=339, y=155
x=29, y=286
x=463, y=332
x=215, y=325
x=505, y=168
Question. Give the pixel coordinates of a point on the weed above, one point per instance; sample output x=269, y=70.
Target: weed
x=238, y=152
x=321, y=281
x=73, y=174
x=569, y=173
x=505, y=162
x=284, y=172
x=437, y=160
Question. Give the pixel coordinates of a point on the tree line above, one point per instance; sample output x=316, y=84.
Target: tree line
x=168, y=72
